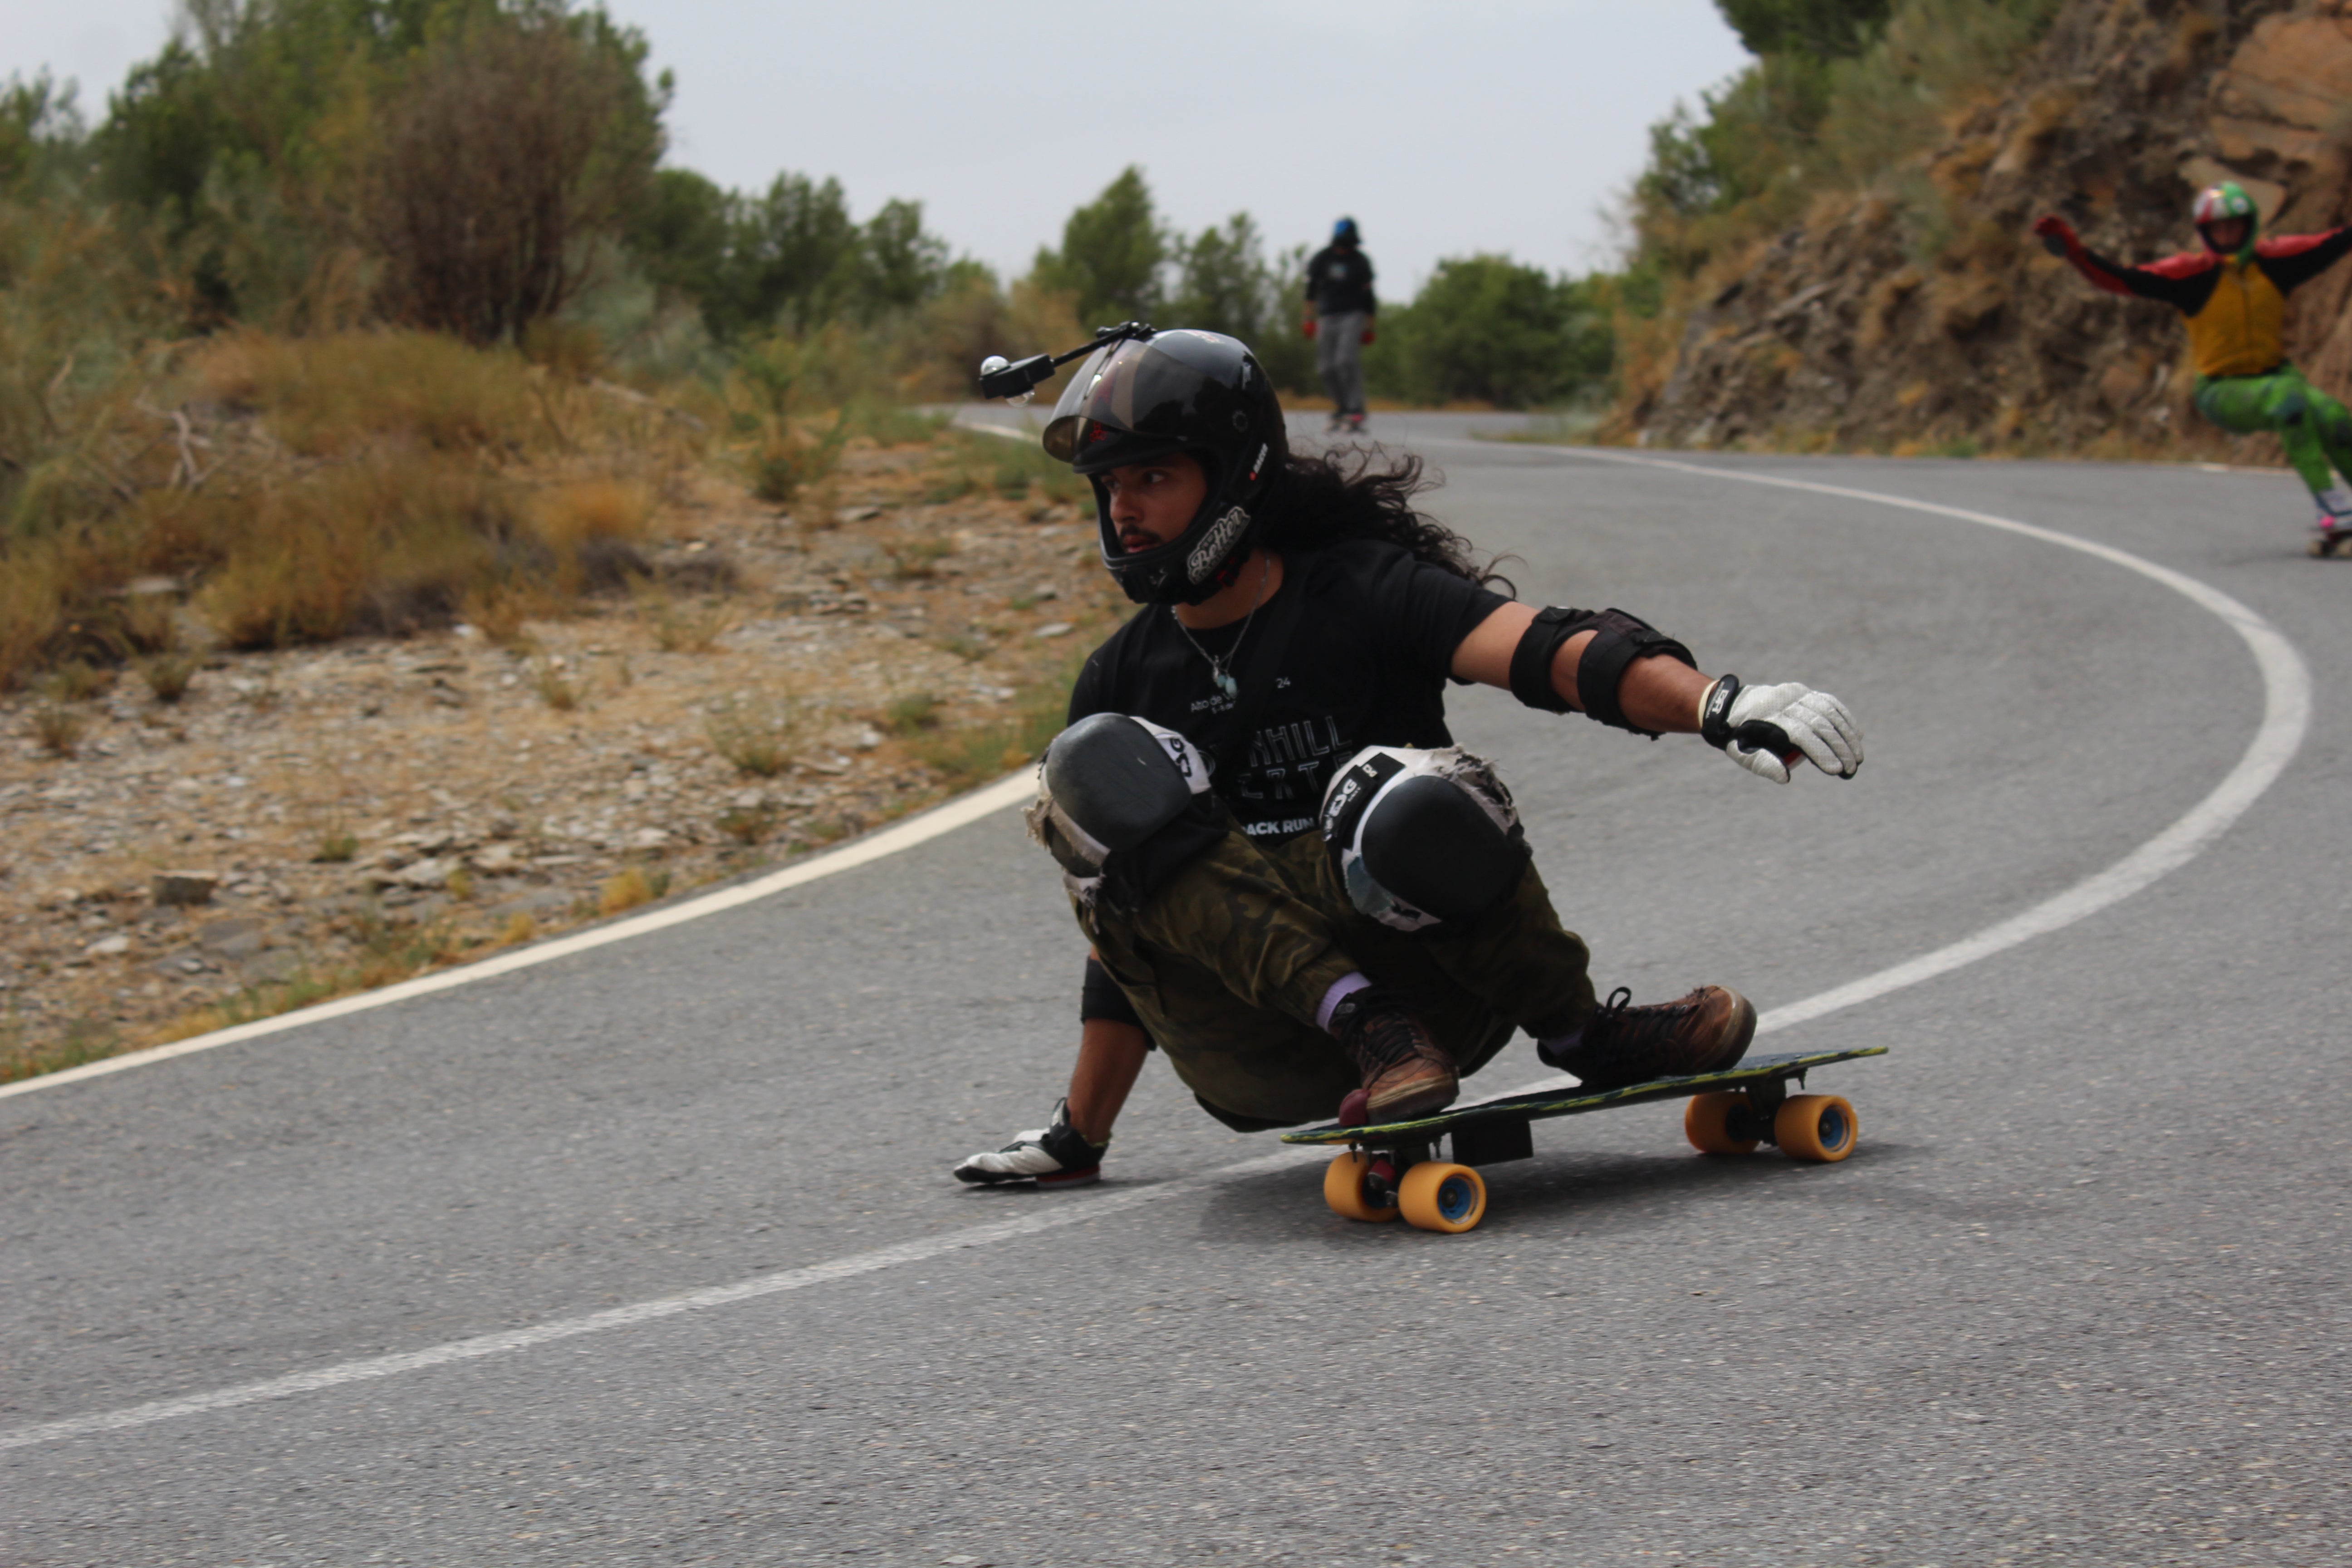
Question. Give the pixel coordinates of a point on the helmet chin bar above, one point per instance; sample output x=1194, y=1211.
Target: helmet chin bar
x=1166, y=577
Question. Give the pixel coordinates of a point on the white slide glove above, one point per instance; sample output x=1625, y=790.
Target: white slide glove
x=1052, y=1156
x=1768, y=729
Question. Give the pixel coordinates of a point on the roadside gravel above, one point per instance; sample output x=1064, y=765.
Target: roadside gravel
x=366, y=809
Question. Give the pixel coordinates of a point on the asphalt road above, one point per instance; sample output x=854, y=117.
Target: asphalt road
x=2080, y=1297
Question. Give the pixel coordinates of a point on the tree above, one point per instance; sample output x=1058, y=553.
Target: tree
x=1489, y=329
x=679, y=234
x=1825, y=29
x=792, y=256
x=1112, y=251
x=40, y=133
x=517, y=144
x=899, y=265
x=1225, y=284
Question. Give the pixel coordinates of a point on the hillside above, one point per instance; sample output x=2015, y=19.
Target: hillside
x=1917, y=313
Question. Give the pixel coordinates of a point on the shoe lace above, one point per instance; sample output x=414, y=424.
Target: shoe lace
x=1620, y=1026
x=1382, y=1034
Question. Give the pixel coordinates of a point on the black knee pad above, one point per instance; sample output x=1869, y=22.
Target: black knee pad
x=1422, y=837
x=1121, y=802
x=1119, y=779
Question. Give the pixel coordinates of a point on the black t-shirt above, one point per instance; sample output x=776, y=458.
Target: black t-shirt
x=1366, y=666
x=1338, y=281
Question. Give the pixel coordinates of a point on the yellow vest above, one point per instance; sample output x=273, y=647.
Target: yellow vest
x=2241, y=331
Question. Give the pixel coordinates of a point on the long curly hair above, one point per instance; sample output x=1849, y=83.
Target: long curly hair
x=1327, y=498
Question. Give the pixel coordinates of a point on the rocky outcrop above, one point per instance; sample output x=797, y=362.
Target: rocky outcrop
x=1921, y=314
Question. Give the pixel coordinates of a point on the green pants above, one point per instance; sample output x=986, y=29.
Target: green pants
x=2313, y=426
x=1228, y=961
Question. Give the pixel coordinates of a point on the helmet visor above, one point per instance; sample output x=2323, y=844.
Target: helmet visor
x=1134, y=401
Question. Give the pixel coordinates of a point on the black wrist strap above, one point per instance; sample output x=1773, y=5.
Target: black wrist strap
x=1715, y=714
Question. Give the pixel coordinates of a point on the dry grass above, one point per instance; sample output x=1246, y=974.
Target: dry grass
x=967, y=756
x=58, y=729
x=168, y=675
x=626, y=891
x=914, y=557
x=676, y=624
x=346, y=483
x=553, y=687
x=756, y=735
x=339, y=395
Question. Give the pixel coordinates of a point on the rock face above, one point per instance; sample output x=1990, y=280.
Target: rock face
x=1936, y=321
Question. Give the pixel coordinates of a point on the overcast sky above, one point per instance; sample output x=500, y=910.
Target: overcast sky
x=1444, y=127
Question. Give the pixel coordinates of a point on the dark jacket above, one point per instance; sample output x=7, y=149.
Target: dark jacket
x=1339, y=281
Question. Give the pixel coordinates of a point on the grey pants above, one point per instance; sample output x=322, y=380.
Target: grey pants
x=1339, y=358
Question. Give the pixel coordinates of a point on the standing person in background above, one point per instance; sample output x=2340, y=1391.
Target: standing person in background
x=1339, y=308
x=2233, y=293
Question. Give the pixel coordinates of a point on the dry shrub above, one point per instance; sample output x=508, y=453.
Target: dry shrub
x=626, y=891
x=58, y=728
x=345, y=392
x=679, y=626
x=757, y=736
x=75, y=681
x=381, y=546
x=555, y=688
x=500, y=612
x=168, y=675
x=515, y=143
x=591, y=530
x=32, y=606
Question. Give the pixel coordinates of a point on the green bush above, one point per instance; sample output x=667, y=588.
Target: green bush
x=1490, y=330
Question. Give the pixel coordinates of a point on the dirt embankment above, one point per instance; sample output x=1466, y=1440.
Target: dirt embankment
x=357, y=812
x=1923, y=316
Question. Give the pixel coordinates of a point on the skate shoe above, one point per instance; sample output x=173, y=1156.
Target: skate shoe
x=1337, y=423
x=1406, y=1073
x=1054, y=1156
x=1705, y=1031
x=2330, y=535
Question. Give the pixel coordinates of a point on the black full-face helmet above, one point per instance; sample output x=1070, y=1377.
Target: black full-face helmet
x=1199, y=393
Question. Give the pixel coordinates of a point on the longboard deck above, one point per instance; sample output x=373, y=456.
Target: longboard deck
x=1568, y=1102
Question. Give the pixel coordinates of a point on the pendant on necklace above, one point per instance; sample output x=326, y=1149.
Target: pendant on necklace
x=1226, y=683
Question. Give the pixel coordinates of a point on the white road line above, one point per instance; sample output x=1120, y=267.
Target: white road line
x=930, y=824
x=2286, y=713
x=1070, y=1211
x=2287, y=718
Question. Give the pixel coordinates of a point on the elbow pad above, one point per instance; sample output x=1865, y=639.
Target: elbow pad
x=1618, y=641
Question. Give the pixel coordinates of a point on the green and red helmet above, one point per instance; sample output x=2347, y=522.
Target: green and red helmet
x=2222, y=203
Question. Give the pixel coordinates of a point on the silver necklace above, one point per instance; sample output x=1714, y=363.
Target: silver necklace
x=1217, y=666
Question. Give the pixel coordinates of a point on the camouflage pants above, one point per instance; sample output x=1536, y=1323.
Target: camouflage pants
x=1228, y=959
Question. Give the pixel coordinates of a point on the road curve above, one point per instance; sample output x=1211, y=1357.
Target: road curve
x=681, y=1200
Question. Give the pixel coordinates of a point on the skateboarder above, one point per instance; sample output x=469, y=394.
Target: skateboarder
x=1340, y=311
x=1294, y=884
x=2233, y=295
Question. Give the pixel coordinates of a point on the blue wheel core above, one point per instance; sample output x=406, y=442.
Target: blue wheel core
x=1455, y=1198
x=1833, y=1129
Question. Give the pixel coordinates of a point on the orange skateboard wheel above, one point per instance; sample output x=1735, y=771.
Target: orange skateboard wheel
x=1820, y=1126
x=1343, y=1187
x=1707, y=1122
x=1441, y=1197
